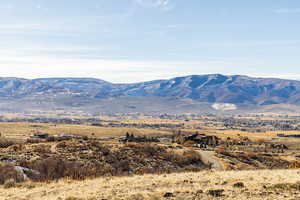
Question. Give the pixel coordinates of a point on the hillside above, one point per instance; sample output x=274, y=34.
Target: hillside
x=190, y=93
x=258, y=184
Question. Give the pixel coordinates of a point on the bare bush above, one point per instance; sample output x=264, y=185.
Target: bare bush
x=55, y=168
x=34, y=140
x=42, y=148
x=7, y=172
x=192, y=157
x=189, y=143
x=9, y=183
x=80, y=159
x=4, y=143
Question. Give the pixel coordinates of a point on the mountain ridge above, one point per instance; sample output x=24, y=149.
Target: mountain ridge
x=185, y=93
x=213, y=88
x=216, y=74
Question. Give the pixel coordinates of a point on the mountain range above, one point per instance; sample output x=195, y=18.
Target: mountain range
x=180, y=92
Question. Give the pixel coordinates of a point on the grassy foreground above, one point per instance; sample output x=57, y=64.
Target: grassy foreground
x=261, y=184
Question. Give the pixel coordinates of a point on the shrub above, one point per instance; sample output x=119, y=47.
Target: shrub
x=285, y=186
x=50, y=139
x=223, y=152
x=61, y=145
x=9, y=183
x=136, y=197
x=192, y=157
x=216, y=193
x=294, y=165
x=146, y=149
x=17, y=147
x=8, y=172
x=4, y=143
x=154, y=197
x=239, y=185
x=251, y=155
x=55, y=168
x=34, y=140
x=96, y=159
x=73, y=198
x=42, y=148
x=188, y=143
x=261, y=140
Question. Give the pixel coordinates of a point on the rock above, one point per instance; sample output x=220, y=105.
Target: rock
x=224, y=183
x=168, y=195
x=24, y=170
x=199, y=192
x=265, y=187
x=216, y=193
x=239, y=185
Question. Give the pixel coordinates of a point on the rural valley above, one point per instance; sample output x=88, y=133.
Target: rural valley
x=51, y=158
x=149, y=100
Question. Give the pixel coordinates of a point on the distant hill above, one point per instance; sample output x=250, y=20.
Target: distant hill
x=180, y=92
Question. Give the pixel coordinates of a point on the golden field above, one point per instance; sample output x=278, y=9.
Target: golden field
x=23, y=130
x=260, y=184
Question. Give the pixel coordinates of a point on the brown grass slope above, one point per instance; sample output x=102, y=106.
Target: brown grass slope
x=261, y=184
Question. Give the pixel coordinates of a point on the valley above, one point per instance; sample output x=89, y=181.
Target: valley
x=81, y=151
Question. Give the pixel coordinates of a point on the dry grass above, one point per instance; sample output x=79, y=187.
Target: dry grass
x=258, y=185
x=24, y=130
x=237, y=133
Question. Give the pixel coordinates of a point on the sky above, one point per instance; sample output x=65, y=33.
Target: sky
x=138, y=40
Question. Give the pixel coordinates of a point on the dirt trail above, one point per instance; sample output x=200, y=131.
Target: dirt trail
x=209, y=158
x=53, y=148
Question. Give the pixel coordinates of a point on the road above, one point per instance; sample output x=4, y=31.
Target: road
x=209, y=158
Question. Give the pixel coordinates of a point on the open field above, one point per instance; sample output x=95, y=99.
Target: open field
x=256, y=185
x=24, y=130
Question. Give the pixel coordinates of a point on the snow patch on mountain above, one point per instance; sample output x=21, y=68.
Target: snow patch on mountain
x=224, y=106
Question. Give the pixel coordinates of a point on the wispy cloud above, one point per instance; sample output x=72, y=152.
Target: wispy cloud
x=163, y=4
x=153, y=3
x=287, y=10
x=281, y=76
x=256, y=43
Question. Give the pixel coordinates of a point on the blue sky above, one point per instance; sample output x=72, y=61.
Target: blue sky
x=138, y=40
